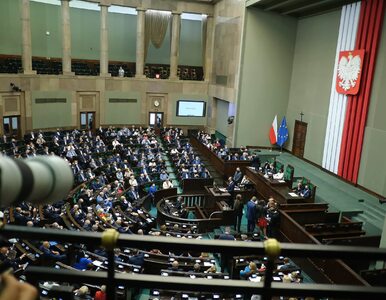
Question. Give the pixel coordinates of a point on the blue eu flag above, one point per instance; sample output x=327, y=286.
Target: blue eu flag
x=282, y=133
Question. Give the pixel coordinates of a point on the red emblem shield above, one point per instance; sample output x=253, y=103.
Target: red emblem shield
x=348, y=76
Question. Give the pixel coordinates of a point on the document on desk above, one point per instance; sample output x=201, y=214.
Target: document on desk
x=223, y=190
x=281, y=181
x=293, y=194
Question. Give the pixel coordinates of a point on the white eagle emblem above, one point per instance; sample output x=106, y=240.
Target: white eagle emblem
x=349, y=69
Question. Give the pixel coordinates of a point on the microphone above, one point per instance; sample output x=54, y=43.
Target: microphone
x=39, y=180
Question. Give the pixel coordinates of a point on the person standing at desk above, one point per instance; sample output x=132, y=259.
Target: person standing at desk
x=251, y=214
x=238, y=206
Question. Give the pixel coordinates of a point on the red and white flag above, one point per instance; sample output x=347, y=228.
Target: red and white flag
x=273, y=132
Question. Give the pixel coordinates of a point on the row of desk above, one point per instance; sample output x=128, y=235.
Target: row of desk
x=268, y=187
x=264, y=186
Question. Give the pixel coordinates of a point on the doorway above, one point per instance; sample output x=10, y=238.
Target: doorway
x=87, y=121
x=299, y=141
x=11, y=126
x=156, y=119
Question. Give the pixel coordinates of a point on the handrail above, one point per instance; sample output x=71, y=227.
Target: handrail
x=213, y=213
x=213, y=285
x=216, y=246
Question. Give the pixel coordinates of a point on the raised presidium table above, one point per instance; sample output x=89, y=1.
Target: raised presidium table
x=278, y=189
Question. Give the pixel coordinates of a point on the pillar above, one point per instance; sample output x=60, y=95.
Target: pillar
x=208, y=63
x=66, y=37
x=140, y=53
x=175, y=44
x=26, y=38
x=104, y=54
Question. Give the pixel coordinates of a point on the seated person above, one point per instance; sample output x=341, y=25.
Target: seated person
x=175, y=266
x=248, y=270
x=101, y=295
x=48, y=253
x=167, y=184
x=267, y=168
x=245, y=181
x=163, y=176
x=212, y=269
x=299, y=188
x=306, y=192
x=288, y=265
x=279, y=175
x=82, y=293
x=83, y=264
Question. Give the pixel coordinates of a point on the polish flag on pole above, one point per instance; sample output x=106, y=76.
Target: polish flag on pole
x=273, y=132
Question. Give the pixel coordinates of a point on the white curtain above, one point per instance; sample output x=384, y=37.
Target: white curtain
x=156, y=24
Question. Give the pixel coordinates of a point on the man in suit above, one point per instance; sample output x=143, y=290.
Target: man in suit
x=238, y=207
x=132, y=194
x=306, y=192
x=251, y=214
x=51, y=254
x=237, y=176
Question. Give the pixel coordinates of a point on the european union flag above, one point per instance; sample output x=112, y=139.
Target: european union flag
x=282, y=133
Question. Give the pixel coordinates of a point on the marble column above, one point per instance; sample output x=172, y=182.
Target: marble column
x=208, y=63
x=140, y=53
x=175, y=44
x=104, y=55
x=66, y=37
x=26, y=38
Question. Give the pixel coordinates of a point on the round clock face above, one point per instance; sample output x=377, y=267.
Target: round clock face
x=156, y=103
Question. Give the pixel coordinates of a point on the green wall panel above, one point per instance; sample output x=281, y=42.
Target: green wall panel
x=122, y=37
x=265, y=74
x=173, y=119
x=85, y=37
x=122, y=113
x=191, y=43
x=46, y=18
x=51, y=115
x=313, y=66
x=10, y=27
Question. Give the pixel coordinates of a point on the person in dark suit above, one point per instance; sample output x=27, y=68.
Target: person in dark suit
x=231, y=185
x=251, y=214
x=20, y=218
x=226, y=235
x=237, y=176
x=132, y=194
x=306, y=192
x=51, y=254
x=238, y=206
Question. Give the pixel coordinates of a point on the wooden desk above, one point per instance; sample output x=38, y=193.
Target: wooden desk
x=225, y=168
x=216, y=196
x=272, y=188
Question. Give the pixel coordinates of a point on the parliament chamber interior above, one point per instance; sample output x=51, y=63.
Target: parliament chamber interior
x=192, y=149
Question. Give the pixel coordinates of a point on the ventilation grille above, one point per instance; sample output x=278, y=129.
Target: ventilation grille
x=116, y=100
x=87, y=102
x=50, y=100
x=11, y=104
